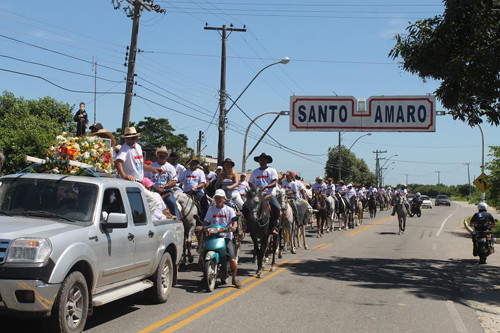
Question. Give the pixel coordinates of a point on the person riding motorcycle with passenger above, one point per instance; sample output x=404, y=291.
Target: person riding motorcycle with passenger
x=482, y=221
x=224, y=215
x=402, y=193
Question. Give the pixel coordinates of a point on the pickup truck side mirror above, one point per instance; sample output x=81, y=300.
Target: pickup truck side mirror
x=115, y=221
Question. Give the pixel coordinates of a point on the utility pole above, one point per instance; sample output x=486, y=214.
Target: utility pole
x=95, y=91
x=198, y=144
x=468, y=176
x=439, y=177
x=340, y=159
x=135, y=14
x=377, y=164
x=406, y=174
x=222, y=93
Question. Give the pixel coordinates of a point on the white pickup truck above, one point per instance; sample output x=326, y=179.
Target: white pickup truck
x=68, y=243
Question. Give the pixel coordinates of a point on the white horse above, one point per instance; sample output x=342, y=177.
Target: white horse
x=189, y=212
x=331, y=215
x=305, y=212
x=287, y=222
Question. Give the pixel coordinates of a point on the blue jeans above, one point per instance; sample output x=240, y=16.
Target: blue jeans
x=172, y=205
x=275, y=211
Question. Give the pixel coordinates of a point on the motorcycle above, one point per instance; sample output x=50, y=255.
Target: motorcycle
x=483, y=240
x=416, y=208
x=213, y=252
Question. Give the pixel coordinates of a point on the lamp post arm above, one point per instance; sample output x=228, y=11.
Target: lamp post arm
x=244, y=159
x=357, y=141
x=262, y=137
x=248, y=85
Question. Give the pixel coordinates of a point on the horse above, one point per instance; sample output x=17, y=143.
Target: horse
x=257, y=212
x=331, y=214
x=341, y=211
x=372, y=206
x=400, y=210
x=381, y=201
x=189, y=214
x=287, y=221
x=305, y=212
x=357, y=206
x=318, y=203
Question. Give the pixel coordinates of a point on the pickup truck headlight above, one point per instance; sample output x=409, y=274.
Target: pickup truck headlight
x=29, y=250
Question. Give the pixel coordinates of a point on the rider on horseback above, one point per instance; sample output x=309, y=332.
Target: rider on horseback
x=402, y=192
x=193, y=182
x=291, y=190
x=350, y=193
x=330, y=191
x=266, y=178
x=228, y=181
x=322, y=188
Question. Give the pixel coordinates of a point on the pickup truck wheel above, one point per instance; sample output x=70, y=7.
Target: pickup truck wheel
x=69, y=313
x=163, y=279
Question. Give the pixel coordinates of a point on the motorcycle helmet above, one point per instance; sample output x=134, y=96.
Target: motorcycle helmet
x=482, y=207
x=418, y=194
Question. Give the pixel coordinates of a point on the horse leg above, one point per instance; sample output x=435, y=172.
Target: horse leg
x=318, y=224
x=280, y=248
x=304, y=237
x=276, y=241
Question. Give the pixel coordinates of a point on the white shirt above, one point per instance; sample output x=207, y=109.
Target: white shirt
x=290, y=188
x=330, y=189
x=350, y=193
x=209, y=176
x=402, y=193
x=321, y=187
x=162, y=179
x=341, y=188
x=158, y=212
x=192, y=179
x=243, y=187
x=222, y=216
x=300, y=188
x=179, y=168
x=133, y=162
x=265, y=177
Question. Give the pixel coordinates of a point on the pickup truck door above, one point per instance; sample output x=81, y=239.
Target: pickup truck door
x=116, y=247
x=145, y=237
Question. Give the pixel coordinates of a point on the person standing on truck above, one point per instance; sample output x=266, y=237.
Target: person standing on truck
x=130, y=163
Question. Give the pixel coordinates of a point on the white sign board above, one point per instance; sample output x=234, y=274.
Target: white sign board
x=383, y=114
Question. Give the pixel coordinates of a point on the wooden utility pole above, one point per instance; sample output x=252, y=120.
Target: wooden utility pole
x=138, y=6
x=377, y=165
x=95, y=92
x=222, y=93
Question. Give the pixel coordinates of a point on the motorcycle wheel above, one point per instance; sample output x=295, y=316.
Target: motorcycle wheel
x=482, y=258
x=419, y=214
x=209, y=275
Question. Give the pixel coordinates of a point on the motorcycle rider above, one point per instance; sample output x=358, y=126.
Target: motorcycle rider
x=482, y=221
x=416, y=201
x=224, y=215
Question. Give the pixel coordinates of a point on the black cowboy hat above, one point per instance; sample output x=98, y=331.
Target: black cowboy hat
x=228, y=160
x=268, y=157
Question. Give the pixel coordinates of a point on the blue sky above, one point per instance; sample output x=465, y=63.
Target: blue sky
x=335, y=47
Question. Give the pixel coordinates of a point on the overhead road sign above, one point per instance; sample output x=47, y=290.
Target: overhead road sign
x=383, y=114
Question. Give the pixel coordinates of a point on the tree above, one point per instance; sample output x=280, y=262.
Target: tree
x=461, y=48
x=354, y=170
x=157, y=132
x=493, y=191
x=29, y=127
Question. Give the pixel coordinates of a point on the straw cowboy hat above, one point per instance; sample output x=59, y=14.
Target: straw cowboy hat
x=130, y=132
x=228, y=160
x=102, y=133
x=267, y=157
x=162, y=149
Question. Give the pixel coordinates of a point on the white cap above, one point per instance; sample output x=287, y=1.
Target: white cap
x=219, y=168
x=220, y=193
x=349, y=185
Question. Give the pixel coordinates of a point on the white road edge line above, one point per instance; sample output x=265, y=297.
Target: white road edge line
x=459, y=324
x=442, y=224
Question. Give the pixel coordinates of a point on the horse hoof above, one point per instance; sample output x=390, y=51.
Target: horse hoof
x=273, y=269
x=293, y=251
x=280, y=256
x=259, y=274
x=306, y=247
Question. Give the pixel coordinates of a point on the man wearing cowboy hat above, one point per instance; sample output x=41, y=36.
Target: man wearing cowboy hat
x=266, y=179
x=164, y=182
x=192, y=181
x=129, y=162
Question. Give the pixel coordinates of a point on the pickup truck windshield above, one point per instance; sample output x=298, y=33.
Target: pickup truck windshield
x=64, y=201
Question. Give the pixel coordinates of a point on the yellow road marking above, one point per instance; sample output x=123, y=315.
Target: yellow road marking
x=200, y=303
x=223, y=301
x=368, y=226
x=327, y=246
x=318, y=246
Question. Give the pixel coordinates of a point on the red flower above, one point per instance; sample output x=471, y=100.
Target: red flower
x=70, y=152
x=108, y=156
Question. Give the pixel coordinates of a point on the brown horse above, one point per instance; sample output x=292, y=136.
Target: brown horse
x=318, y=203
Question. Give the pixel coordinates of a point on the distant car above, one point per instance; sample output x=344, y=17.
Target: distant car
x=442, y=199
x=426, y=201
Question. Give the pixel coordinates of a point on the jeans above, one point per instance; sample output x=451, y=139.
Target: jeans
x=275, y=211
x=172, y=204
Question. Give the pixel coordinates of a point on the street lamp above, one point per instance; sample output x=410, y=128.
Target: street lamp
x=245, y=156
x=340, y=152
x=367, y=134
x=382, y=167
x=224, y=112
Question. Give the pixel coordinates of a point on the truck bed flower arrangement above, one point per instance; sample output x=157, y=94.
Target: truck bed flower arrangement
x=89, y=150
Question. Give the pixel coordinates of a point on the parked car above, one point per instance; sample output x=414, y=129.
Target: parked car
x=70, y=243
x=426, y=202
x=442, y=199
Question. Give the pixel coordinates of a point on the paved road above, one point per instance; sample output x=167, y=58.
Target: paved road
x=369, y=279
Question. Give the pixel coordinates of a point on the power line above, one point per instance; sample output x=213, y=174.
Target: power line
x=61, y=87
x=59, y=53
x=58, y=69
